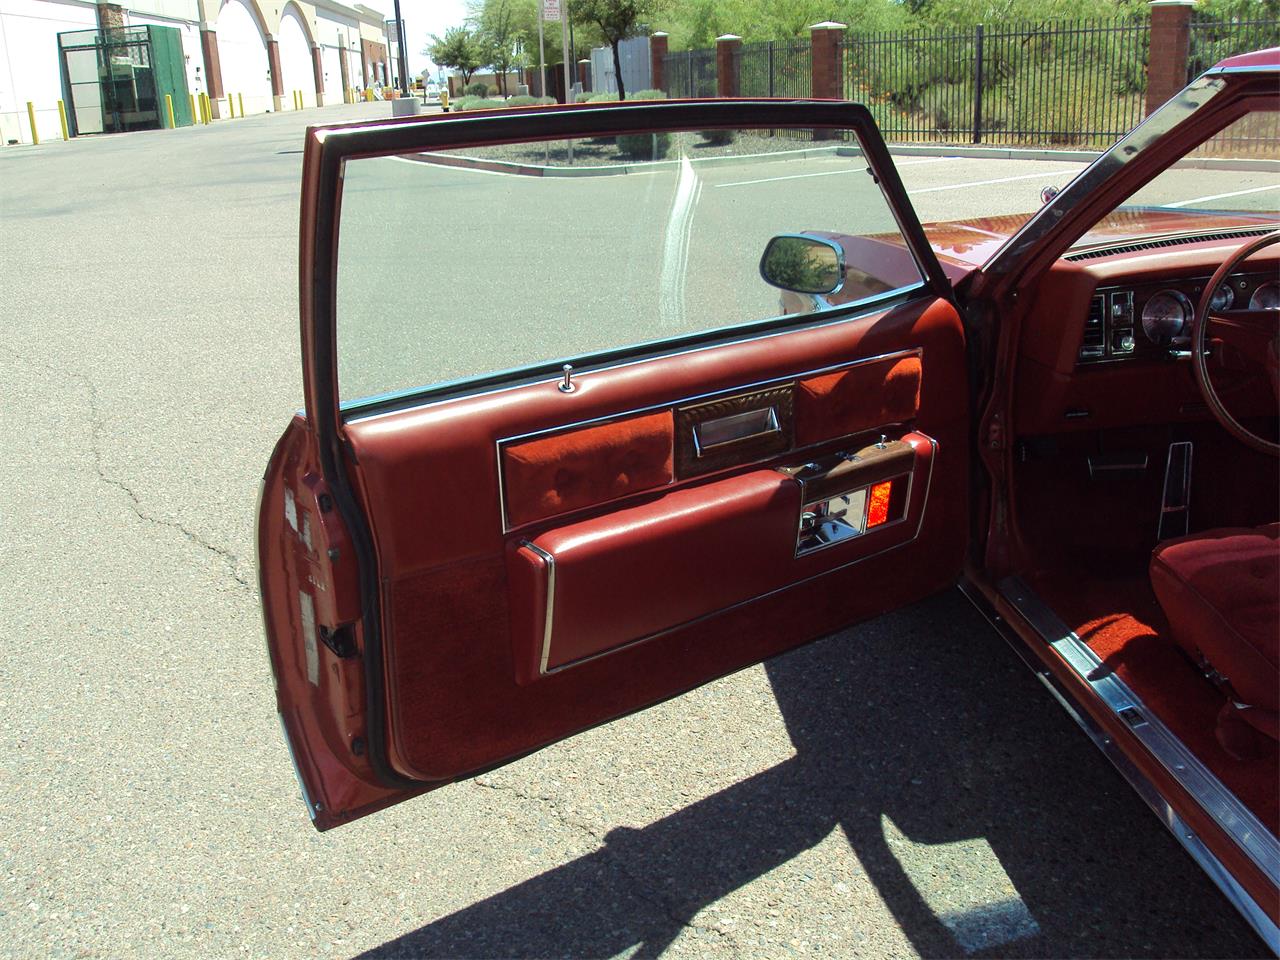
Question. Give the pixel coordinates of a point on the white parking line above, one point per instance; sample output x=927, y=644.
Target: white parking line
x=983, y=183
x=829, y=173
x=1223, y=196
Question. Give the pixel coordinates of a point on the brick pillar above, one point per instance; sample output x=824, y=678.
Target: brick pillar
x=657, y=56
x=212, y=65
x=364, y=62
x=584, y=75
x=346, y=74
x=825, y=40
x=727, y=81
x=317, y=68
x=826, y=81
x=1170, y=48
x=277, y=75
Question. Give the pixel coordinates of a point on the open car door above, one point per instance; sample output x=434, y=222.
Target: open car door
x=459, y=566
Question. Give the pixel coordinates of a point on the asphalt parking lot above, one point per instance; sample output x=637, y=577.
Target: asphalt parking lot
x=904, y=788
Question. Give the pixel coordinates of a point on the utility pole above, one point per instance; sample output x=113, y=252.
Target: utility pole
x=404, y=52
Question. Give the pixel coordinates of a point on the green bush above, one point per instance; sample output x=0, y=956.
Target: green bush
x=476, y=89
x=647, y=95
x=601, y=97
x=523, y=101
x=475, y=103
x=644, y=146
x=718, y=138
x=492, y=90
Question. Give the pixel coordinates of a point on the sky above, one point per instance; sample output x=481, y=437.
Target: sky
x=421, y=19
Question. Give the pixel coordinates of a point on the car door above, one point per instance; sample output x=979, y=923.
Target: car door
x=677, y=470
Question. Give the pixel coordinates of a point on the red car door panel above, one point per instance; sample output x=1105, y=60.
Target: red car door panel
x=429, y=482
x=451, y=583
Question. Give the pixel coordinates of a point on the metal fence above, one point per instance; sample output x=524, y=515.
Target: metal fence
x=778, y=68
x=1214, y=40
x=690, y=73
x=1069, y=83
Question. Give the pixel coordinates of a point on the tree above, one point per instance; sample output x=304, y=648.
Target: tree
x=616, y=20
x=497, y=32
x=460, y=50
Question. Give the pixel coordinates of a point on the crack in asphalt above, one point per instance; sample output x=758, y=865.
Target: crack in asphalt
x=96, y=427
x=670, y=909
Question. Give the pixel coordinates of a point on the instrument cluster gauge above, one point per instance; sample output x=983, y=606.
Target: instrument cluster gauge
x=1223, y=298
x=1166, y=315
x=1266, y=297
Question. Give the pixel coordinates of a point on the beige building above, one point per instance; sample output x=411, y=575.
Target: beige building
x=261, y=52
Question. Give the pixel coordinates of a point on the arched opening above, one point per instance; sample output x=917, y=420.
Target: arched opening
x=295, y=57
x=242, y=53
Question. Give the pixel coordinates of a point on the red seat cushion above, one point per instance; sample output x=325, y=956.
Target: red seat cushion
x=1221, y=593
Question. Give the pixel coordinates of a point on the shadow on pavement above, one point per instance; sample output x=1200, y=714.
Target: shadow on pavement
x=920, y=725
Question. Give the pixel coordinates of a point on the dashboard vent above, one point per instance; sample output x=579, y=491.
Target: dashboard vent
x=1093, y=346
x=1167, y=242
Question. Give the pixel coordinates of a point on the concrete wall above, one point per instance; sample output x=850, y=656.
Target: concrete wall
x=242, y=52
x=295, y=56
x=29, y=68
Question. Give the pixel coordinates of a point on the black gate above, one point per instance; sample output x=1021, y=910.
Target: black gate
x=109, y=81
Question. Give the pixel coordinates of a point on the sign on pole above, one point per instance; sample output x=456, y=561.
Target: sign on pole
x=551, y=10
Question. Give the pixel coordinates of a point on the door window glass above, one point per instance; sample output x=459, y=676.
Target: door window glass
x=466, y=262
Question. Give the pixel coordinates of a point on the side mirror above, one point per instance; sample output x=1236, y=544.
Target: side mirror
x=803, y=264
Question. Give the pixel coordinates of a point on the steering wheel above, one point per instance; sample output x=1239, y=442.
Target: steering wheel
x=1255, y=333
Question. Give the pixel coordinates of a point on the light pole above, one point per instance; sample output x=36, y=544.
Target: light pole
x=404, y=53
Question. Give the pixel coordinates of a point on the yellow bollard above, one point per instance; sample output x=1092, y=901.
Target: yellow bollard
x=168, y=108
x=31, y=115
x=206, y=109
x=62, y=119
x=192, y=98
x=231, y=106
x=240, y=96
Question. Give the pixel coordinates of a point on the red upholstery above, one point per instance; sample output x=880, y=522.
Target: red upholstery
x=1221, y=593
x=634, y=572
x=864, y=396
x=590, y=465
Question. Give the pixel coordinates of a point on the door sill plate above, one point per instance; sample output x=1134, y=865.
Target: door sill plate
x=1226, y=810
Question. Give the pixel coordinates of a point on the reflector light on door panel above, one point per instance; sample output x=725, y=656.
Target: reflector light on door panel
x=878, y=503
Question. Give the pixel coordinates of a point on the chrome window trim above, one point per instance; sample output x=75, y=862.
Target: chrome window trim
x=924, y=504
x=1197, y=95
x=500, y=443
x=552, y=371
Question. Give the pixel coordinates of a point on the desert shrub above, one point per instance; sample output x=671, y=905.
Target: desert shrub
x=492, y=90
x=523, y=101
x=644, y=146
x=647, y=95
x=718, y=138
x=475, y=103
x=476, y=89
x=601, y=97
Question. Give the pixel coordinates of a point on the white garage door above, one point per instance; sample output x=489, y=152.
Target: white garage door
x=295, y=59
x=330, y=58
x=242, y=52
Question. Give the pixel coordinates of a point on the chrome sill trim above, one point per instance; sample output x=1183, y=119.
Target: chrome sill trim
x=549, y=618
x=1226, y=810
x=672, y=405
x=1239, y=898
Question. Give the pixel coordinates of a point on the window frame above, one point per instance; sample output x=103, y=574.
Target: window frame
x=328, y=149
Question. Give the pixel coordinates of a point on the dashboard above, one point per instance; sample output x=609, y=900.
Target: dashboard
x=1145, y=319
